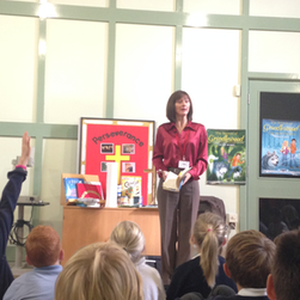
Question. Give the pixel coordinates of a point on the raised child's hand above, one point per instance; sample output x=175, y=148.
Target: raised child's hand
x=25, y=149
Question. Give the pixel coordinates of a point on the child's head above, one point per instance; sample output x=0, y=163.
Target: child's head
x=129, y=236
x=209, y=235
x=249, y=257
x=100, y=271
x=43, y=247
x=283, y=283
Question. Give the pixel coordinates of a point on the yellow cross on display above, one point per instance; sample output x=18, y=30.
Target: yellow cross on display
x=118, y=158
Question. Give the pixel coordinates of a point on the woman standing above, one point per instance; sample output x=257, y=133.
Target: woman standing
x=179, y=144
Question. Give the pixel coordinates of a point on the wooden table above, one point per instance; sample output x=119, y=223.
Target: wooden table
x=83, y=226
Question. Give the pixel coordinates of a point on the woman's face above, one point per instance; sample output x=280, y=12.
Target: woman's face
x=182, y=106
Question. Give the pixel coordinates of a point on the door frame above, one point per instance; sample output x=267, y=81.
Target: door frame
x=256, y=83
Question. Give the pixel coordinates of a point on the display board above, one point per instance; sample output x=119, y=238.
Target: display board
x=279, y=134
x=127, y=142
x=226, y=156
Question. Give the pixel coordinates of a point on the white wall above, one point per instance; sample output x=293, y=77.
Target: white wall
x=75, y=80
x=18, y=62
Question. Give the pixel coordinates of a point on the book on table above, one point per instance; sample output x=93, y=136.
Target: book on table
x=131, y=191
x=89, y=190
x=71, y=187
x=84, y=193
x=90, y=194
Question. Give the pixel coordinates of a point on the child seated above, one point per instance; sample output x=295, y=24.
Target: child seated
x=205, y=270
x=129, y=236
x=8, y=203
x=101, y=271
x=43, y=251
x=283, y=282
x=249, y=257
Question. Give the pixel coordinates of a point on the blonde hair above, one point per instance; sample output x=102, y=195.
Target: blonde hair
x=101, y=271
x=209, y=232
x=285, y=144
x=129, y=236
x=43, y=246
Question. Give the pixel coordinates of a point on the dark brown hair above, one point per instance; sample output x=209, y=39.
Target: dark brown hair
x=249, y=257
x=171, y=112
x=286, y=267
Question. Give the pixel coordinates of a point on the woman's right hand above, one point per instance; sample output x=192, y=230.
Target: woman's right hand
x=164, y=175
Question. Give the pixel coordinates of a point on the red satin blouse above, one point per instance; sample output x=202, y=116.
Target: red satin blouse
x=189, y=145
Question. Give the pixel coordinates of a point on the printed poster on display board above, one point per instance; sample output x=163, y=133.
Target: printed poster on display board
x=127, y=142
x=279, y=153
x=226, y=157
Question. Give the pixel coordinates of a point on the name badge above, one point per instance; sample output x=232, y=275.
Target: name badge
x=183, y=164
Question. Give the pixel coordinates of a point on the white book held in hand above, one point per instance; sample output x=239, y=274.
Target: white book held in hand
x=173, y=181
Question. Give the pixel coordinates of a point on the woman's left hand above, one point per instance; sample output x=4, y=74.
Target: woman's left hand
x=186, y=178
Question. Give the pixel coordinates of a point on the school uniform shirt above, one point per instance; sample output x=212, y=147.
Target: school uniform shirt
x=246, y=294
x=38, y=284
x=189, y=277
x=153, y=288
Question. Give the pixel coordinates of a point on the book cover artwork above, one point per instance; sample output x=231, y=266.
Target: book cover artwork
x=87, y=190
x=90, y=195
x=279, y=148
x=71, y=187
x=131, y=190
x=226, y=157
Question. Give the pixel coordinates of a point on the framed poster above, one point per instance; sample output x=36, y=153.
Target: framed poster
x=127, y=142
x=226, y=157
x=279, y=135
x=279, y=155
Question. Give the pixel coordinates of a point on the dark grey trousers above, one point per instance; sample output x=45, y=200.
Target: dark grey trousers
x=178, y=213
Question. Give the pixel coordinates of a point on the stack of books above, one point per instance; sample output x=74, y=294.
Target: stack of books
x=83, y=193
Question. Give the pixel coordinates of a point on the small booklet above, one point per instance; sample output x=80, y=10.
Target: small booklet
x=173, y=181
x=70, y=187
x=131, y=191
